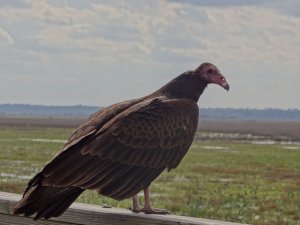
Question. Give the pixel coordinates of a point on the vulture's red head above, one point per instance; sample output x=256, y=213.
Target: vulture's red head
x=211, y=74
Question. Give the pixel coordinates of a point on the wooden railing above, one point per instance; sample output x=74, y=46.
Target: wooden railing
x=86, y=214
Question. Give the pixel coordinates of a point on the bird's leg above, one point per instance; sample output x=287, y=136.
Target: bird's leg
x=135, y=204
x=147, y=207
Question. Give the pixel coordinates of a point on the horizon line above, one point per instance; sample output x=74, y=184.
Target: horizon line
x=243, y=108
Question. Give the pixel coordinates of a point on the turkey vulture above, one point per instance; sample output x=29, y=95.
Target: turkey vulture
x=121, y=149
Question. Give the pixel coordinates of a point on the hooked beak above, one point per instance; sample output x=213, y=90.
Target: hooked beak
x=220, y=80
x=225, y=85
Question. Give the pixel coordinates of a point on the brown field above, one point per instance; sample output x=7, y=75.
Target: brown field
x=241, y=171
x=40, y=122
x=281, y=130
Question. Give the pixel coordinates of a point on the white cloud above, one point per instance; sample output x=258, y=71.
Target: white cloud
x=152, y=41
x=245, y=34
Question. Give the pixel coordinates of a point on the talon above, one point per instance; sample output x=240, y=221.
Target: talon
x=135, y=210
x=136, y=205
x=147, y=209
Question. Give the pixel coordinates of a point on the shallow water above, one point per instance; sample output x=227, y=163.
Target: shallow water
x=42, y=140
x=14, y=176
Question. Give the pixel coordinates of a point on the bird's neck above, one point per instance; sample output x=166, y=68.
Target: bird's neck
x=186, y=85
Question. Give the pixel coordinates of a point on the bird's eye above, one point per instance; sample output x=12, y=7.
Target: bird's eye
x=210, y=71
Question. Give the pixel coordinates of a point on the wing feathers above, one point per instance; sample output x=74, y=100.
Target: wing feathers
x=137, y=182
x=125, y=154
x=146, y=132
x=87, y=174
x=96, y=177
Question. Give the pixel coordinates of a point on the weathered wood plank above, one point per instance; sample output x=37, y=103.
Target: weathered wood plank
x=6, y=219
x=86, y=214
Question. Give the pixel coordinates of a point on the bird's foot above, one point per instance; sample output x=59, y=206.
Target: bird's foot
x=136, y=208
x=151, y=211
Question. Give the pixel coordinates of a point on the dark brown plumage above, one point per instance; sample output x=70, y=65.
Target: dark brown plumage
x=121, y=149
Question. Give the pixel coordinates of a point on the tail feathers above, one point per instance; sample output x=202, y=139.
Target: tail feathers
x=46, y=201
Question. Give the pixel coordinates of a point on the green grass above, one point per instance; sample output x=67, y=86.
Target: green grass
x=246, y=183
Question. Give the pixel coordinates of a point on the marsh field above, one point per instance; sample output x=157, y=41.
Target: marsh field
x=247, y=172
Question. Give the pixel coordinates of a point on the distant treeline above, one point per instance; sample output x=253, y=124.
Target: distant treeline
x=47, y=111
x=251, y=114
x=80, y=111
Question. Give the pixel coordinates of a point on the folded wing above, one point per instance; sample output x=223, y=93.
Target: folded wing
x=124, y=154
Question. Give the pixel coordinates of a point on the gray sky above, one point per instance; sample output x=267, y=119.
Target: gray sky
x=67, y=52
